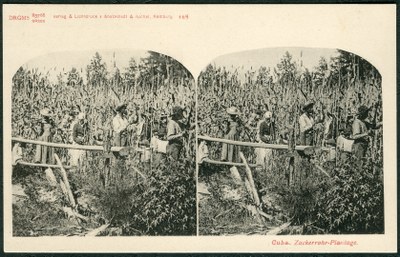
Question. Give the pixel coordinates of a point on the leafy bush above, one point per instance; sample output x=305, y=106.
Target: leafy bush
x=168, y=203
x=354, y=200
x=162, y=204
x=350, y=201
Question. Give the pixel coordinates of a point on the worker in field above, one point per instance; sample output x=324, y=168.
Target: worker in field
x=119, y=125
x=233, y=128
x=306, y=123
x=97, y=138
x=45, y=154
x=344, y=143
x=265, y=135
x=158, y=141
x=162, y=128
x=361, y=130
x=79, y=130
x=17, y=152
x=175, y=133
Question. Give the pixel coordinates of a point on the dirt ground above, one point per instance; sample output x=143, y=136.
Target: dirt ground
x=226, y=207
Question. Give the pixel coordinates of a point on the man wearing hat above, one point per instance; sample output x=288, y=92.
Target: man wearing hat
x=265, y=135
x=360, y=131
x=265, y=129
x=162, y=129
x=78, y=138
x=44, y=154
x=234, y=126
x=306, y=123
x=175, y=133
x=78, y=131
x=119, y=125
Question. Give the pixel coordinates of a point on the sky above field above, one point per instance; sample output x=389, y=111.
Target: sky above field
x=54, y=63
x=270, y=57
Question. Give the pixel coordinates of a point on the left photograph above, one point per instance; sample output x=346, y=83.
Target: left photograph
x=103, y=144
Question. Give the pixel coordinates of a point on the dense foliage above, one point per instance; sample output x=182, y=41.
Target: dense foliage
x=155, y=197
x=353, y=202
x=159, y=201
x=338, y=86
x=150, y=87
x=326, y=196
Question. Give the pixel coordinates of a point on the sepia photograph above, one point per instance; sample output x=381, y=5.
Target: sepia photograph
x=103, y=145
x=199, y=128
x=290, y=142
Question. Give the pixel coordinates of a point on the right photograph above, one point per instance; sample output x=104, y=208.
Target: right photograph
x=289, y=141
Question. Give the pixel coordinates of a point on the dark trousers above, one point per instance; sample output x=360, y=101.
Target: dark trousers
x=360, y=149
x=174, y=150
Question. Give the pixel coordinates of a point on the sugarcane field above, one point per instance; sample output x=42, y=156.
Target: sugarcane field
x=290, y=143
x=103, y=144
x=274, y=141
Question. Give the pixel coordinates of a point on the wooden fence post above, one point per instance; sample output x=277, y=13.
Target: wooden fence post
x=291, y=147
x=66, y=182
x=105, y=174
x=251, y=180
x=251, y=187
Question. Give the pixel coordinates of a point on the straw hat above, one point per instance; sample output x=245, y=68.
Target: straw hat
x=46, y=112
x=177, y=110
x=120, y=107
x=363, y=109
x=81, y=116
x=268, y=115
x=233, y=111
x=307, y=105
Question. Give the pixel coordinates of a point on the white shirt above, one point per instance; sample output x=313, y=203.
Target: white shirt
x=16, y=153
x=202, y=152
x=139, y=128
x=173, y=128
x=119, y=123
x=305, y=122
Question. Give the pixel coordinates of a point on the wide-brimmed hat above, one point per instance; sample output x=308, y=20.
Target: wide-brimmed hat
x=121, y=107
x=233, y=110
x=81, y=116
x=177, y=110
x=349, y=118
x=363, y=109
x=259, y=112
x=307, y=105
x=46, y=112
x=268, y=115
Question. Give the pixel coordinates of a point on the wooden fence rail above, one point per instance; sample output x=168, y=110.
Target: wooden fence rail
x=227, y=163
x=257, y=145
x=41, y=165
x=71, y=146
